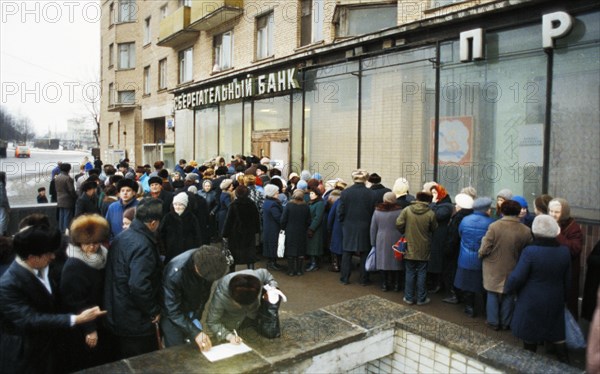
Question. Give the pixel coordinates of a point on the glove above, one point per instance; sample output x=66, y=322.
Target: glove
x=273, y=294
x=310, y=233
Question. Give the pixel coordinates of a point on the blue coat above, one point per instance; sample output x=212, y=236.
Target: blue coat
x=471, y=230
x=272, y=212
x=114, y=215
x=541, y=280
x=334, y=226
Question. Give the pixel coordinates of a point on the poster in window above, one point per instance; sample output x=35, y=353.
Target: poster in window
x=455, y=145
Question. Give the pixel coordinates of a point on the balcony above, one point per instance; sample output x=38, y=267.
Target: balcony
x=121, y=107
x=174, y=31
x=208, y=14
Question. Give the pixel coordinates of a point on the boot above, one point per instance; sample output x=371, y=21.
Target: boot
x=470, y=304
x=398, y=281
x=385, y=275
x=452, y=299
x=335, y=264
x=562, y=353
x=530, y=346
x=300, y=266
x=291, y=266
x=272, y=265
x=313, y=264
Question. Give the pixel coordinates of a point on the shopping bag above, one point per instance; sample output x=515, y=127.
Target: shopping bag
x=281, y=244
x=400, y=248
x=371, y=263
x=574, y=336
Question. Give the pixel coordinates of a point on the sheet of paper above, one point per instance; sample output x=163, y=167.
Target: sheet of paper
x=222, y=351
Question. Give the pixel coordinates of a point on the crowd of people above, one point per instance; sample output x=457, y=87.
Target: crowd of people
x=136, y=252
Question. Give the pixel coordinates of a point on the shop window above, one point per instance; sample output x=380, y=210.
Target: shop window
x=127, y=56
x=147, y=31
x=207, y=131
x=272, y=113
x=311, y=21
x=147, y=80
x=358, y=20
x=264, y=36
x=230, y=129
x=185, y=65
x=127, y=10
x=126, y=97
x=223, y=48
x=162, y=74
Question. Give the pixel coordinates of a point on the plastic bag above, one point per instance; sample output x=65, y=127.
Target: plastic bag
x=267, y=321
x=281, y=244
x=400, y=248
x=226, y=252
x=574, y=336
x=371, y=262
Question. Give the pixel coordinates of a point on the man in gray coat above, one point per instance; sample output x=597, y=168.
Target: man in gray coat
x=357, y=204
x=66, y=196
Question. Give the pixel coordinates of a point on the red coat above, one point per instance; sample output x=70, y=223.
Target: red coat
x=571, y=236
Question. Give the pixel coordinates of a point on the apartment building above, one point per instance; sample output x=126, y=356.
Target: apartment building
x=486, y=93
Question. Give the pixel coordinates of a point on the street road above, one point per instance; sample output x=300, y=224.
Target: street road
x=26, y=175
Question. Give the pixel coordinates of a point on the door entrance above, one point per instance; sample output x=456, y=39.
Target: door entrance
x=275, y=145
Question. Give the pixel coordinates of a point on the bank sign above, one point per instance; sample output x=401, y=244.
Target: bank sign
x=279, y=81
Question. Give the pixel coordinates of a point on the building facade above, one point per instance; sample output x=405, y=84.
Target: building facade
x=491, y=94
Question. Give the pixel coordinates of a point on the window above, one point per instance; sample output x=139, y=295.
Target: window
x=127, y=97
x=264, y=36
x=111, y=54
x=111, y=14
x=111, y=94
x=162, y=74
x=163, y=11
x=127, y=56
x=147, y=80
x=110, y=129
x=185, y=65
x=223, y=47
x=127, y=10
x=358, y=20
x=311, y=21
x=147, y=31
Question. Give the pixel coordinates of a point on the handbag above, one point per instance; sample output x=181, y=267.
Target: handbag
x=573, y=335
x=281, y=244
x=400, y=248
x=226, y=252
x=371, y=262
x=267, y=321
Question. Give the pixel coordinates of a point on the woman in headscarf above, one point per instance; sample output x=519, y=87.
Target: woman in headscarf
x=540, y=281
x=443, y=209
x=383, y=235
x=570, y=236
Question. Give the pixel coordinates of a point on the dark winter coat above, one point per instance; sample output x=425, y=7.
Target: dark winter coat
x=334, y=227
x=471, y=230
x=379, y=190
x=241, y=226
x=30, y=323
x=167, y=200
x=272, y=212
x=295, y=222
x=405, y=200
x=224, y=202
x=185, y=292
x=132, y=288
x=179, y=233
x=384, y=234
x=571, y=237
x=199, y=208
x=541, y=280
x=65, y=191
x=314, y=246
x=355, y=211
x=443, y=212
x=86, y=205
x=418, y=223
x=592, y=282
x=452, y=246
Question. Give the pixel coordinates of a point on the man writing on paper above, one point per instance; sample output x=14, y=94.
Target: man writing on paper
x=187, y=281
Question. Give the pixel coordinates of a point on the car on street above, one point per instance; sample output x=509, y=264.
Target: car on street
x=22, y=151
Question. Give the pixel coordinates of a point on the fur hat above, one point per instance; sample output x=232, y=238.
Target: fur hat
x=302, y=185
x=521, y=200
x=360, y=176
x=181, y=198
x=271, y=190
x=464, y=201
x=374, y=178
x=544, y=226
x=155, y=179
x=127, y=182
x=400, y=187
x=89, y=185
x=505, y=193
x=225, y=184
x=192, y=177
x=89, y=228
x=292, y=175
x=482, y=204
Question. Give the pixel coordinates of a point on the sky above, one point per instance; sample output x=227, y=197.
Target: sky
x=49, y=60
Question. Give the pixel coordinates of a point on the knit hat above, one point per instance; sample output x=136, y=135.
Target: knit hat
x=389, y=197
x=360, y=176
x=129, y=213
x=317, y=176
x=521, y=200
x=89, y=185
x=265, y=161
x=271, y=190
x=305, y=175
x=427, y=186
x=400, y=187
x=505, y=193
x=482, y=204
x=470, y=190
x=225, y=184
x=302, y=185
x=464, y=201
x=545, y=226
x=192, y=177
x=155, y=179
x=193, y=189
x=181, y=198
